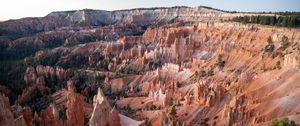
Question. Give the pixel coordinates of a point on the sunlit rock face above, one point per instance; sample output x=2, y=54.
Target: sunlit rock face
x=36, y=78
x=139, y=16
x=14, y=115
x=6, y=115
x=74, y=112
x=103, y=114
x=291, y=61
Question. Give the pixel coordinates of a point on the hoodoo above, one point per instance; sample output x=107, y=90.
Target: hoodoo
x=168, y=66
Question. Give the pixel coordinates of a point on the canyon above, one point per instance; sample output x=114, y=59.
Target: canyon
x=147, y=66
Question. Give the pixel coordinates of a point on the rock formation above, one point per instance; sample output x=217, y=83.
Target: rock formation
x=25, y=112
x=19, y=121
x=215, y=71
x=103, y=114
x=158, y=96
x=6, y=116
x=74, y=112
x=48, y=117
x=291, y=61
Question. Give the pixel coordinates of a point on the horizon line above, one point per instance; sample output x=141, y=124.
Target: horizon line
x=146, y=8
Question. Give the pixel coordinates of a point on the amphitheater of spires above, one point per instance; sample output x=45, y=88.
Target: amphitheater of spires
x=158, y=67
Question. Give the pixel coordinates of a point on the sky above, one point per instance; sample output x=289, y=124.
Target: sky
x=14, y=9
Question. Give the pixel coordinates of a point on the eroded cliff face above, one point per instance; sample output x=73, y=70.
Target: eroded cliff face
x=6, y=115
x=159, y=66
x=48, y=117
x=74, y=112
x=141, y=16
x=103, y=114
x=14, y=115
x=222, y=91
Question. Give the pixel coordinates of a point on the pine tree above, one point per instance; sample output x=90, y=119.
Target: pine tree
x=292, y=21
x=285, y=22
x=220, y=61
x=270, y=47
x=273, y=20
x=286, y=19
x=173, y=112
x=284, y=42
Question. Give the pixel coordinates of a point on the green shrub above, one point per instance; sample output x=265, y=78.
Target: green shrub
x=210, y=72
x=202, y=73
x=283, y=122
x=287, y=19
x=173, y=112
x=270, y=47
x=220, y=61
x=278, y=66
x=284, y=42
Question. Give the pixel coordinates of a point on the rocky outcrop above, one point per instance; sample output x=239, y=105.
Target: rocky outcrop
x=5, y=90
x=215, y=72
x=140, y=16
x=14, y=115
x=49, y=117
x=22, y=113
x=6, y=116
x=187, y=101
x=74, y=112
x=158, y=96
x=233, y=111
x=27, y=95
x=35, y=25
x=37, y=76
x=206, y=93
x=291, y=61
x=35, y=80
x=19, y=121
x=143, y=16
x=126, y=121
x=103, y=114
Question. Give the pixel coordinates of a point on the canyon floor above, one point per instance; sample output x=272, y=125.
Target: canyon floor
x=147, y=67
